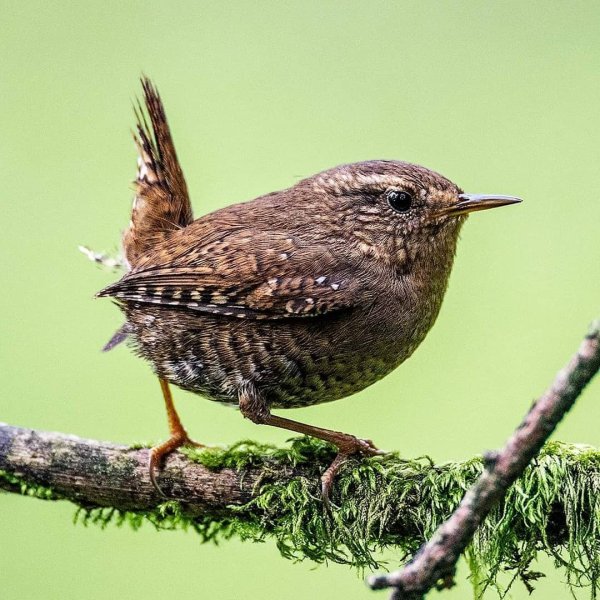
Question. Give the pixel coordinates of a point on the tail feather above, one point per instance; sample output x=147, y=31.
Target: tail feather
x=161, y=204
x=118, y=337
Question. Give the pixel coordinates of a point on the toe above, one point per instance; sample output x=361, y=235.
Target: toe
x=328, y=477
x=369, y=448
x=153, y=463
x=193, y=443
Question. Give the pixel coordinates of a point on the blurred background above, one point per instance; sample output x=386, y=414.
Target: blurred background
x=499, y=97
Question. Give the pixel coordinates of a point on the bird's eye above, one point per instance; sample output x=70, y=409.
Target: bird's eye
x=399, y=200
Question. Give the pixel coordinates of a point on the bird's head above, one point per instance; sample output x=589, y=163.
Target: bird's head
x=384, y=204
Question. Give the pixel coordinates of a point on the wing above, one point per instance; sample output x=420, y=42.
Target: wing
x=161, y=204
x=254, y=275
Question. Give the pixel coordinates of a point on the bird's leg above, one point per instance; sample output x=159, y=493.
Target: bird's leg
x=346, y=443
x=254, y=407
x=179, y=436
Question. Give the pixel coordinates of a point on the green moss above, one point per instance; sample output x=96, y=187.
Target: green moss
x=28, y=489
x=141, y=445
x=388, y=502
x=247, y=453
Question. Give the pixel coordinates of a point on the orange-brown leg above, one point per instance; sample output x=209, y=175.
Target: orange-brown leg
x=346, y=443
x=254, y=408
x=179, y=437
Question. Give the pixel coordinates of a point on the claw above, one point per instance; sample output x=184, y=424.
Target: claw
x=329, y=475
x=160, y=452
x=153, y=464
x=348, y=446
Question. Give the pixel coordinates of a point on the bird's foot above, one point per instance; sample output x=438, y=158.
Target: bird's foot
x=348, y=445
x=160, y=452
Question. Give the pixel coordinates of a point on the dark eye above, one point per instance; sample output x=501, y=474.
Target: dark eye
x=399, y=200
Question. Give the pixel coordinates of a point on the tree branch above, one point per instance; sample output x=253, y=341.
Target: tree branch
x=256, y=491
x=99, y=474
x=434, y=565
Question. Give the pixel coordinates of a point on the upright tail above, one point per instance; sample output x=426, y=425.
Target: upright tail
x=161, y=204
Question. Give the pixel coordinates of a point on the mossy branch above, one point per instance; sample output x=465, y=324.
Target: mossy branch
x=258, y=491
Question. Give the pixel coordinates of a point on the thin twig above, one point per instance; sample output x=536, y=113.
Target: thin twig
x=435, y=563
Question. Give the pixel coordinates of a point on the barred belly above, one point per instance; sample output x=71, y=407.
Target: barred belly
x=294, y=362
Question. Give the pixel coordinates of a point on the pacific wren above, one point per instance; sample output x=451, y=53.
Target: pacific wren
x=298, y=297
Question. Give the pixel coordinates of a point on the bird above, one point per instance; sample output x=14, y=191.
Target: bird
x=298, y=297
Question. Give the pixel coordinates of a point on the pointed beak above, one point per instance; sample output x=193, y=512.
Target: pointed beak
x=473, y=202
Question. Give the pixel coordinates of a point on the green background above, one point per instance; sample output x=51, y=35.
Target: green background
x=500, y=97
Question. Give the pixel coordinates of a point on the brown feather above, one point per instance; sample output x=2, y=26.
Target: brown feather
x=161, y=204
x=281, y=279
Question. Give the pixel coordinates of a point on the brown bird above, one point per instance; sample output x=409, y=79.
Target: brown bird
x=298, y=297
